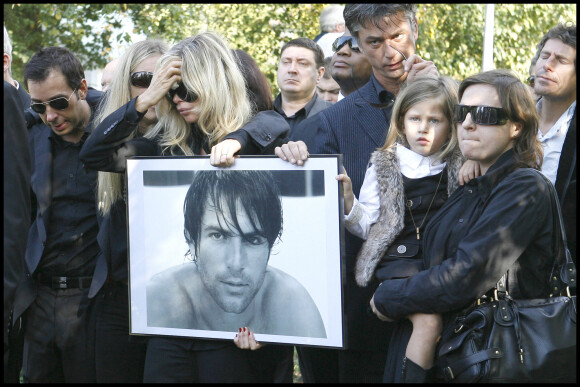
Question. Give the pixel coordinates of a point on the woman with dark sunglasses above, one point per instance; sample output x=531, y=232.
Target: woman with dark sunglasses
x=119, y=357
x=202, y=108
x=501, y=220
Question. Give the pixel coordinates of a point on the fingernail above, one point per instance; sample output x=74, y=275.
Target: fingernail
x=239, y=329
x=244, y=329
x=292, y=161
x=236, y=335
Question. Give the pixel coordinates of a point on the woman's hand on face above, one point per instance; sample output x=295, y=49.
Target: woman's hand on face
x=163, y=79
x=469, y=170
x=295, y=152
x=222, y=154
x=246, y=340
x=381, y=316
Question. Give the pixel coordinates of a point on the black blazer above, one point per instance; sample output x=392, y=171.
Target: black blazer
x=354, y=128
x=41, y=184
x=566, y=185
x=17, y=170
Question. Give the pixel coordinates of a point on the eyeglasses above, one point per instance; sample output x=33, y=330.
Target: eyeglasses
x=342, y=40
x=483, y=115
x=531, y=80
x=141, y=79
x=183, y=93
x=60, y=103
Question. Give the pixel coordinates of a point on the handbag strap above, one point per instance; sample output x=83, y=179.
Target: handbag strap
x=563, y=259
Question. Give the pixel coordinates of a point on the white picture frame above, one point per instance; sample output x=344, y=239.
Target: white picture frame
x=310, y=248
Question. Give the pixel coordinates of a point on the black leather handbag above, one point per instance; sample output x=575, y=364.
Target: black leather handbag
x=502, y=340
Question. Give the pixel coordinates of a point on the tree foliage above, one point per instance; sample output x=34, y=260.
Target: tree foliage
x=451, y=35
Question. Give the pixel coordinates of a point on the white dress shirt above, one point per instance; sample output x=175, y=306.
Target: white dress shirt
x=366, y=210
x=553, y=141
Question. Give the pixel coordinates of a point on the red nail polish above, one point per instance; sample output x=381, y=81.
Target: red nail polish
x=244, y=329
x=239, y=329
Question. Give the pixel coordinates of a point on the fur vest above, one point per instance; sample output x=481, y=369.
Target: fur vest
x=392, y=209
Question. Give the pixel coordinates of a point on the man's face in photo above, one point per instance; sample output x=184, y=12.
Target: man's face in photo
x=232, y=268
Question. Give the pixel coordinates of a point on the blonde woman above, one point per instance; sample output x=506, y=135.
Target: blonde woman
x=202, y=106
x=119, y=357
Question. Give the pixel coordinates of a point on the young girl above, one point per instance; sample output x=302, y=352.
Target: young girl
x=408, y=180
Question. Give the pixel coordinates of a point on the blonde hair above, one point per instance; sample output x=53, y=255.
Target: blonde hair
x=110, y=185
x=210, y=71
x=423, y=89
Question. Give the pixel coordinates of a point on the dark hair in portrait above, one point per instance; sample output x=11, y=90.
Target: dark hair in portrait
x=235, y=191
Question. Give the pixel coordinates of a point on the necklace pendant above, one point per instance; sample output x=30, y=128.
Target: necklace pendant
x=418, y=236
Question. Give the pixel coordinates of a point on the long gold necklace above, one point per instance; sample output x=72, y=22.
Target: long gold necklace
x=409, y=203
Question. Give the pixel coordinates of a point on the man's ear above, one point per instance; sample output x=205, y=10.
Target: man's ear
x=320, y=73
x=7, y=62
x=83, y=89
x=415, y=29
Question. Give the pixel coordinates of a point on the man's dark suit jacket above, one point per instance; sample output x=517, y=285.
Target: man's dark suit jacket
x=41, y=183
x=354, y=128
x=566, y=185
x=17, y=171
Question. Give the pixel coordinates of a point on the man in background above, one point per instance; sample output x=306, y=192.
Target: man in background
x=108, y=73
x=355, y=127
x=332, y=26
x=555, y=84
x=327, y=88
x=349, y=67
x=300, y=68
x=23, y=96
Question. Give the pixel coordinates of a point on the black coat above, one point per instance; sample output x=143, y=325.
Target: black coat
x=566, y=185
x=41, y=183
x=17, y=172
x=502, y=220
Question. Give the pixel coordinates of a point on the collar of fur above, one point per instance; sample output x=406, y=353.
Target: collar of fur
x=392, y=210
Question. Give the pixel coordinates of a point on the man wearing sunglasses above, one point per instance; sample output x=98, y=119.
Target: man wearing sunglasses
x=350, y=68
x=354, y=127
x=62, y=242
x=555, y=83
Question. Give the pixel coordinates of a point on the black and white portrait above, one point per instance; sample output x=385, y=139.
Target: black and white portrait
x=215, y=249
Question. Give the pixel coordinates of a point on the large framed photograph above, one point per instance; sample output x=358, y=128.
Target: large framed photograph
x=255, y=245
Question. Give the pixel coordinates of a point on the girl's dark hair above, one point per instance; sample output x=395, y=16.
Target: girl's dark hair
x=256, y=82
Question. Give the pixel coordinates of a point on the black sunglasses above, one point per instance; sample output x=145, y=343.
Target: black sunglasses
x=60, y=103
x=141, y=79
x=341, y=41
x=531, y=80
x=182, y=93
x=483, y=115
